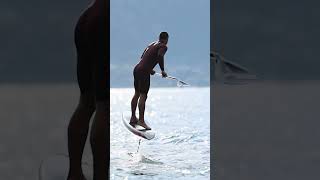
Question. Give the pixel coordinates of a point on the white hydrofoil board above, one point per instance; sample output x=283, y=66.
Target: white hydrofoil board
x=137, y=130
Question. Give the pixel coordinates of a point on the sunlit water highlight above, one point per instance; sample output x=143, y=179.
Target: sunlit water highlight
x=180, y=118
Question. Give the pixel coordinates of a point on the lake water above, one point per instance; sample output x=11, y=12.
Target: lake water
x=181, y=149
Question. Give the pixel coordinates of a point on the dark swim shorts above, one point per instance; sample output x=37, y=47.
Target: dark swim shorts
x=91, y=39
x=141, y=81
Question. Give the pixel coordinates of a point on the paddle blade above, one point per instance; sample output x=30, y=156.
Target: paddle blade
x=182, y=84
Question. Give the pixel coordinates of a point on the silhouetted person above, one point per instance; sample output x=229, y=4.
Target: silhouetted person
x=91, y=39
x=152, y=55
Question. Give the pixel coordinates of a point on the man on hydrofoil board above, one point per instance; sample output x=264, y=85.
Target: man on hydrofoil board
x=152, y=55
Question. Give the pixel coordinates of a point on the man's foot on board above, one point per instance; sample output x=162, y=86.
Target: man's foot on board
x=143, y=124
x=133, y=121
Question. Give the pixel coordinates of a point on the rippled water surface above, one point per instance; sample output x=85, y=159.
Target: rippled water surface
x=180, y=118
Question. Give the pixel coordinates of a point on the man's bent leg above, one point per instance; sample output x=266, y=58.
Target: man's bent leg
x=134, y=102
x=142, y=102
x=100, y=142
x=77, y=135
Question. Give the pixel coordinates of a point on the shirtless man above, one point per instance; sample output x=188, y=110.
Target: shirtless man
x=152, y=55
x=91, y=40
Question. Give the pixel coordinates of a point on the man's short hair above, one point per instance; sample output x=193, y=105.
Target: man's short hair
x=163, y=36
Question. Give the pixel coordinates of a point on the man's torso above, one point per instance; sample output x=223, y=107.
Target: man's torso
x=149, y=57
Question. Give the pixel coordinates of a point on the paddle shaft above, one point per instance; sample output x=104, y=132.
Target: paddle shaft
x=173, y=78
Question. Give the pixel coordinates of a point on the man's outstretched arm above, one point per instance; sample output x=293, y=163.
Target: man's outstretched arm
x=161, y=53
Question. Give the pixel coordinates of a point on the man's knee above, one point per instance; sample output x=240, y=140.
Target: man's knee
x=136, y=95
x=143, y=96
x=142, y=99
x=87, y=102
x=102, y=105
